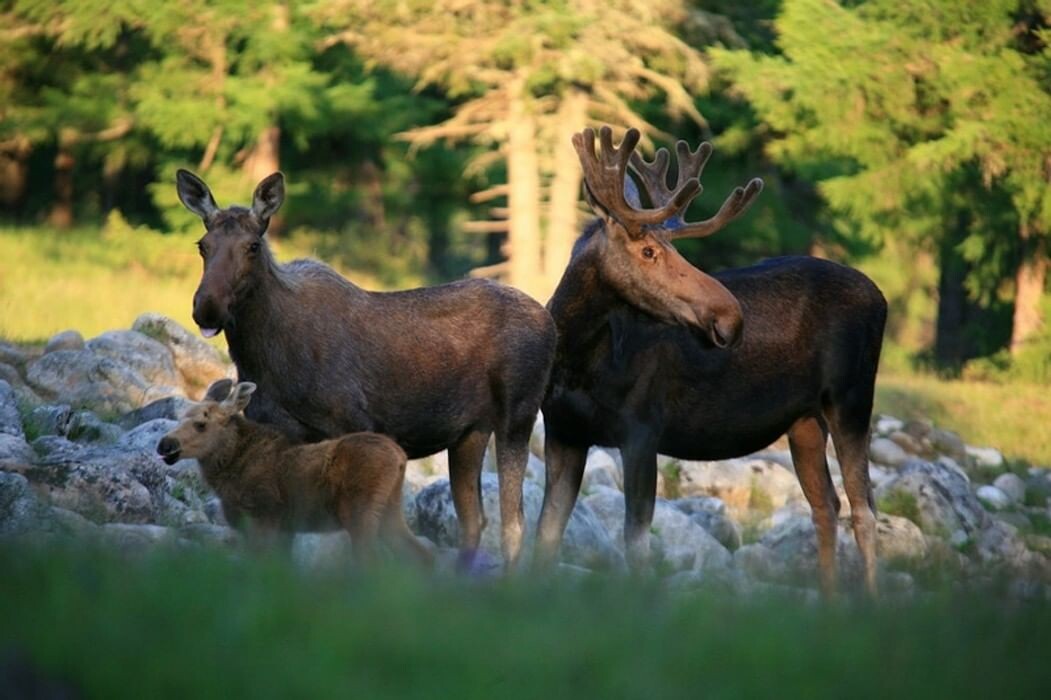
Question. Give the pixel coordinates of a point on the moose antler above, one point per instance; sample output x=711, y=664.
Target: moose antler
x=654, y=179
x=605, y=174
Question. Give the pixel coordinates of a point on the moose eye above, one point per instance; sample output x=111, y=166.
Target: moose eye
x=200, y=426
x=649, y=253
x=253, y=247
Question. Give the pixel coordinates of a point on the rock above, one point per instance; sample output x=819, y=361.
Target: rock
x=198, y=363
x=85, y=426
x=948, y=443
x=1038, y=486
x=20, y=511
x=1000, y=546
x=1012, y=485
x=794, y=542
x=145, y=356
x=742, y=484
x=586, y=542
x=1019, y=521
x=710, y=513
x=421, y=473
x=918, y=429
x=912, y=445
x=10, y=418
x=885, y=425
x=899, y=539
x=12, y=355
x=66, y=340
x=677, y=543
x=82, y=378
x=14, y=449
x=603, y=468
x=145, y=436
x=536, y=438
x=136, y=538
x=942, y=496
x=170, y=408
x=760, y=562
x=52, y=419
x=885, y=451
x=985, y=456
x=993, y=498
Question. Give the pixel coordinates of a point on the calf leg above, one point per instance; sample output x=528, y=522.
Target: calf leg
x=465, y=480
x=807, y=439
x=640, y=493
x=361, y=518
x=512, y=453
x=396, y=531
x=564, y=472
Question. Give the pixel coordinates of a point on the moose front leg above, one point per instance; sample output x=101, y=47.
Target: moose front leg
x=564, y=472
x=640, y=492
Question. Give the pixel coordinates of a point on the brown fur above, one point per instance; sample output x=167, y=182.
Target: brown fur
x=272, y=488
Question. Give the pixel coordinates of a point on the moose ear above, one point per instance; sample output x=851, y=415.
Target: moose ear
x=240, y=397
x=269, y=194
x=195, y=195
x=219, y=390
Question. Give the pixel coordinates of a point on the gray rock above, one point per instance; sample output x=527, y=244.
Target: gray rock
x=911, y=444
x=677, y=543
x=1012, y=485
x=170, y=408
x=986, y=456
x=145, y=356
x=586, y=543
x=993, y=498
x=199, y=363
x=14, y=449
x=899, y=539
x=885, y=425
x=741, y=484
x=887, y=452
x=1038, y=485
x=710, y=513
x=144, y=437
x=602, y=468
x=52, y=419
x=760, y=562
x=20, y=511
x=536, y=438
x=794, y=542
x=10, y=418
x=85, y=426
x=12, y=355
x=82, y=378
x=942, y=493
x=1000, y=546
x=948, y=443
x=66, y=340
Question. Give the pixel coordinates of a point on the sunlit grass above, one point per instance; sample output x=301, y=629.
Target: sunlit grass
x=197, y=624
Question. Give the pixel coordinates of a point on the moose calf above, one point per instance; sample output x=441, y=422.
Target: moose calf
x=271, y=487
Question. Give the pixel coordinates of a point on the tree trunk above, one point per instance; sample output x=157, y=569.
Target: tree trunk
x=950, y=345
x=523, y=199
x=1029, y=288
x=562, y=222
x=14, y=171
x=61, y=215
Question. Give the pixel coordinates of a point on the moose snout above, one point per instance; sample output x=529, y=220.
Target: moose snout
x=209, y=313
x=168, y=448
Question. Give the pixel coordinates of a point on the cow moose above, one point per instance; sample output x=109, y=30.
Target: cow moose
x=655, y=356
x=434, y=368
x=272, y=488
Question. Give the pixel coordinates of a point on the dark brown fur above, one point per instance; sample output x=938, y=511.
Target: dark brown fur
x=272, y=488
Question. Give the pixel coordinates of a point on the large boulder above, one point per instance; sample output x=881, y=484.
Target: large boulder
x=66, y=340
x=586, y=542
x=710, y=513
x=145, y=356
x=793, y=540
x=677, y=542
x=742, y=484
x=941, y=493
x=20, y=510
x=83, y=378
x=887, y=452
x=1013, y=487
x=10, y=418
x=199, y=363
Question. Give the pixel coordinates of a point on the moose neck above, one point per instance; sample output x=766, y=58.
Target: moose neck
x=583, y=300
x=242, y=439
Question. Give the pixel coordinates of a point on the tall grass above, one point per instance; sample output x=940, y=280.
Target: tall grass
x=202, y=625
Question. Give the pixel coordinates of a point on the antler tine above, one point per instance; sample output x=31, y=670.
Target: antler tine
x=735, y=205
x=605, y=173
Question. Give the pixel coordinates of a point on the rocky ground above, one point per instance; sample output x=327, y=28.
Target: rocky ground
x=79, y=422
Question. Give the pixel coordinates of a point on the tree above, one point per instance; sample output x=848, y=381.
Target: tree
x=527, y=76
x=923, y=121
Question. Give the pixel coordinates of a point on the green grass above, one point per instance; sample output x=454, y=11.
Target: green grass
x=1012, y=417
x=200, y=625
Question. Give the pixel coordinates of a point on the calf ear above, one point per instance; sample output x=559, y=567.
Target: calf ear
x=240, y=397
x=195, y=195
x=219, y=390
x=269, y=194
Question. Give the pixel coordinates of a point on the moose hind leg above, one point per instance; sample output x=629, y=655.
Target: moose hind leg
x=807, y=439
x=512, y=453
x=564, y=470
x=465, y=480
x=640, y=494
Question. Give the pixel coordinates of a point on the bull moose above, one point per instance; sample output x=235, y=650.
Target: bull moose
x=655, y=356
x=433, y=368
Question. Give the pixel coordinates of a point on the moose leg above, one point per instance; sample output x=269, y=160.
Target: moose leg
x=640, y=493
x=807, y=439
x=395, y=531
x=850, y=435
x=361, y=519
x=564, y=472
x=512, y=453
x=465, y=479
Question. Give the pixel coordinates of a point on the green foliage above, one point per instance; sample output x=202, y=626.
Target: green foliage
x=900, y=503
x=200, y=624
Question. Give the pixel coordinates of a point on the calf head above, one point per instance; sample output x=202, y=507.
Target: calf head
x=202, y=431
x=636, y=255
x=232, y=247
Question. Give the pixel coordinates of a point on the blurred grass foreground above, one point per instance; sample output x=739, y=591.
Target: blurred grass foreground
x=199, y=624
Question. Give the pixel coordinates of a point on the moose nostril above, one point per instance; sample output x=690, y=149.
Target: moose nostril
x=166, y=446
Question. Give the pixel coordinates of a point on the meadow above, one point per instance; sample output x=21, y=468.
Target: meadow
x=93, y=282
x=172, y=624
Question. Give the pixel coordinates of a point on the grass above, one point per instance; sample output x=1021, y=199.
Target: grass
x=1012, y=417
x=194, y=624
